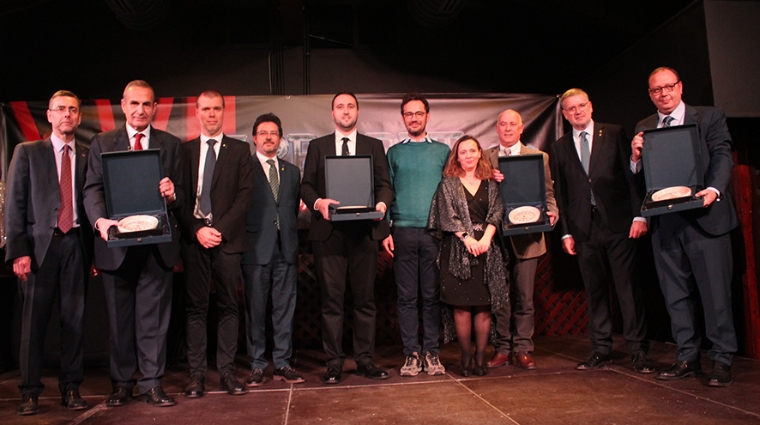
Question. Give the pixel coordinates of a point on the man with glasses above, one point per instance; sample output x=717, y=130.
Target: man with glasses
x=515, y=320
x=692, y=249
x=600, y=223
x=416, y=165
x=218, y=184
x=50, y=243
x=270, y=265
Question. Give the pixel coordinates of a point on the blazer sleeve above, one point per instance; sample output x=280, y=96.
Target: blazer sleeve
x=16, y=203
x=94, y=196
x=233, y=218
x=310, y=180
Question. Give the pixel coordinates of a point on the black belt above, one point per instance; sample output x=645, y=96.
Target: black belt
x=72, y=231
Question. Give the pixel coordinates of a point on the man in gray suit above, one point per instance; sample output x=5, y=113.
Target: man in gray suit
x=137, y=280
x=271, y=261
x=515, y=320
x=50, y=244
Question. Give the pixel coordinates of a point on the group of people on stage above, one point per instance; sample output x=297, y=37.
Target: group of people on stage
x=233, y=214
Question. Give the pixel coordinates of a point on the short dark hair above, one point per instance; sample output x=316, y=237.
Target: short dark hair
x=64, y=93
x=414, y=96
x=209, y=94
x=268, y=117
x=332, y=104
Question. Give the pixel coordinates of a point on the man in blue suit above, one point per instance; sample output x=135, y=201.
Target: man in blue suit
x=692, y=249
x=50, y=243
x=270, y=265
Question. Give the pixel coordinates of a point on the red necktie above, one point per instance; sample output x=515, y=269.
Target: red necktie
x=138, y=145
x=66, y=212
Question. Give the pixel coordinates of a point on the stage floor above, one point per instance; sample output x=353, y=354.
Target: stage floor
x=556, y=393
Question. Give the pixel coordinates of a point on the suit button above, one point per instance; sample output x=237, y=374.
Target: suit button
x=589, y=180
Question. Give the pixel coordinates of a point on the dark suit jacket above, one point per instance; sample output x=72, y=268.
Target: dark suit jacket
x=231, y=192
x=94, y=197
x=617, y=197
x=717, y=163
x=313, y=182
x=33, y=198
x=261, y=221
x=533, y=244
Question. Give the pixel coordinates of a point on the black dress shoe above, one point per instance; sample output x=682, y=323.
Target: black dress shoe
x=28, y=405
x=73, y=401
x=371, y=371
x=480, y=370
x=119, y=397
x=196, y=388
x=232, y=385
x=593, y=361
x=332, y=376
x=681, y=369
x=158, y=398
x=641, y=363
x=720, y=376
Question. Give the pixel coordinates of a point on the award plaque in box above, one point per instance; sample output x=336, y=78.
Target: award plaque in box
x=523, y=192
x=672, y=162
x=130, y=183
x=350, y=181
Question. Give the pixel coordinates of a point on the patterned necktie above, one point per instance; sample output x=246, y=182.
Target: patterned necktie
x=667, y=121
x=274, y=182
x=345, y=147
x=208, y=176
x=138, y=145
x=66, y=212
x=586, y=159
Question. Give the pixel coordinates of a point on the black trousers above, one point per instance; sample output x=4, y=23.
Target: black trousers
x=62, y=279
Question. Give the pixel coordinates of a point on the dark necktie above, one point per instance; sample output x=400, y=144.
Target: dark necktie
x=274, y=183
x=345, y=151
x=586, y=159
x=138, y=145
x=66, y=212
x=208, y=176
x=666, y=122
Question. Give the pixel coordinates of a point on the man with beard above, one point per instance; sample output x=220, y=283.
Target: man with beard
x=347, y=248
x=415, y=167
x=270, y=265
x=218, y=187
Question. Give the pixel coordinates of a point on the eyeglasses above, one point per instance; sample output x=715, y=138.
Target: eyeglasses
x=73, y=110
x=268, y=133
x=418, y=114
x=580, y=107
x=666, y=88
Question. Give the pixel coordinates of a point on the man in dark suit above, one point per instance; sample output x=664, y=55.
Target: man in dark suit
x=50, y=243
x=599, y=202
x=693, y=248
x=347, y=248
x=270, y=265
x=137, y=280
x=515, y=320
x=218, y=180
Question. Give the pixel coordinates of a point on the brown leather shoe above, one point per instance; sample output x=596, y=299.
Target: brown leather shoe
x=523, y=360
x=498, y=360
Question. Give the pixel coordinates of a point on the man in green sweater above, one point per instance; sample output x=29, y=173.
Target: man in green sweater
x=416, y=165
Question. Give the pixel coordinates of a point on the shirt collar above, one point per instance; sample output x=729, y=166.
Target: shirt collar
x=263, y=158
x=339, y=136
x=205, y=138
x=58, y=143
x=677, y=115
x=589, y=129
x=424, y=139
x=131, y=131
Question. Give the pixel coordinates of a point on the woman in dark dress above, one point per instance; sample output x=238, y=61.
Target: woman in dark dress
x=465, y=214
